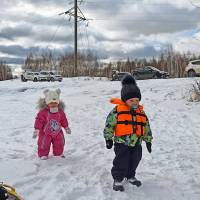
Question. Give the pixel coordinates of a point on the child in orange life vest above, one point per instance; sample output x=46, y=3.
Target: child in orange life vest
x=48, y=124
x=128, y=125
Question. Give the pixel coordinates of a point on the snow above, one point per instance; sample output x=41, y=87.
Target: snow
x=171, y=172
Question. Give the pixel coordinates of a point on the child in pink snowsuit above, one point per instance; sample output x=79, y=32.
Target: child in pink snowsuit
x=48, y=125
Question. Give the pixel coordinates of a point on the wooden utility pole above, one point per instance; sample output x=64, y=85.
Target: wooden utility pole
x=74, y=12
x=75, y=39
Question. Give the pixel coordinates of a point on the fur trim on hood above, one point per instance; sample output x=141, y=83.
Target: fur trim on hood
x=41, y=104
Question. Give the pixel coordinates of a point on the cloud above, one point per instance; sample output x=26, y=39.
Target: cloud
x=9, y=60
x=117, y=28
x=12, y=33
x=17, y=50
x=18, y=53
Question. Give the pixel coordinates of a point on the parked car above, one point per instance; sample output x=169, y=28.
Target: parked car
x=148, y=72
x=117, y=76
x=29, y=76
x=55, y=76
x=41, y=76
x=193, y=68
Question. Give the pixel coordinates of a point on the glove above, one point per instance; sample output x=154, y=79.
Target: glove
x=109, y=144
x=148, y=145
x=35, y=133
x=67, y=130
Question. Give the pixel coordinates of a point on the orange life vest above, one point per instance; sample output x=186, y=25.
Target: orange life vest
x=125, y=122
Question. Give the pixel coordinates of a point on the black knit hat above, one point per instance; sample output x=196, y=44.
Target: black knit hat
x=129, y=88
x=3, y=194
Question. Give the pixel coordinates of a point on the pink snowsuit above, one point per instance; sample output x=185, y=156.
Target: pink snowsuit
x=50, y=131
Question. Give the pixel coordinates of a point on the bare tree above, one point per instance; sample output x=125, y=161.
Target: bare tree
x=5, y=72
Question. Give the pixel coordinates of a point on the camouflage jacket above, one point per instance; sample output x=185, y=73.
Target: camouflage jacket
x=129, y=140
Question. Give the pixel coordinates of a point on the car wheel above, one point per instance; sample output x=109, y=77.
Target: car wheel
x=191, y=73
x=155, y=76
x=52, y=79
x=23, y=78
x=135, y=77
x=165, y=76
x=35, y=80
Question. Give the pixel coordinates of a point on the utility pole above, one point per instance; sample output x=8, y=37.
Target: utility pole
x=78, y=15
x=75, y=38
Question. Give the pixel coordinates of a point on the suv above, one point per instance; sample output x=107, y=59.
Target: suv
x=147, y=72
x=117, y=76
x=193, y=68
x=29, y=76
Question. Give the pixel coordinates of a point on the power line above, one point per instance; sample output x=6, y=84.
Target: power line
x=107, y=1
x=143, y=20
x=54, y=35
x=82, y=38
x=150, y=14
x=87, y=36
x=78, y=16
x=92, y=3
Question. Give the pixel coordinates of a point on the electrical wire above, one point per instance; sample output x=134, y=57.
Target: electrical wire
x=143, y=20
x=54, y=34
x=136, y=2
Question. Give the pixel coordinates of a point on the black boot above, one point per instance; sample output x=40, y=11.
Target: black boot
x=118, y=186
x=135, y=181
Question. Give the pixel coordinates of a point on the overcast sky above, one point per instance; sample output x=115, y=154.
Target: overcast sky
x=116, y=29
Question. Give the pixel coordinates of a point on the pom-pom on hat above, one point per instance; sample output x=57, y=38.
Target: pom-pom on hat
x=129, y=88
x=52, y=96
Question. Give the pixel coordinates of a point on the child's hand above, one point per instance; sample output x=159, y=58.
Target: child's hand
x=67, y=130
x=148, y=145
x=35, y=133
x=109, y=144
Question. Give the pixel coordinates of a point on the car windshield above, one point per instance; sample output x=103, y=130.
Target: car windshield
x=154, y=68
x=122, y=73
x=44, y=73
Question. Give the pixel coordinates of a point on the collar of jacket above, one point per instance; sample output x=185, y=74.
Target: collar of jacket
x=120, y=102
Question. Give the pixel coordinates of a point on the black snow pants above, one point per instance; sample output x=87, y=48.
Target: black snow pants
x=126, y=161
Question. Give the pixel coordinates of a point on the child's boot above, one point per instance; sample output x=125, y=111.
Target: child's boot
x=135, y=181
x=118, y=186
x=43, y=157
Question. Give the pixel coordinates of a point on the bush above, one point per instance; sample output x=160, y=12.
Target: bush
x=195, y=92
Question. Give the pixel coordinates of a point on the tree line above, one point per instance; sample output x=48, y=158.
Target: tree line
x=89, y=64
x=5, y=72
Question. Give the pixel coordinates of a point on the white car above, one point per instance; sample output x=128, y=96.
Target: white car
x=41, y=76
x=55, y=76
x=47, y=76
x=29, y=76
x=193, y=68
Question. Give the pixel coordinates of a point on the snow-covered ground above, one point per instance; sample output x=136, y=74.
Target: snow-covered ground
x=172, y=171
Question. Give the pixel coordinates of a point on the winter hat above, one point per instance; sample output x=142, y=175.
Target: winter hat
x=52, y=96
x=129, y=88
x=3, y=194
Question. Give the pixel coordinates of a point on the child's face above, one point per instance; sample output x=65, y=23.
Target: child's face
x=53, y=104
x=132, y=101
